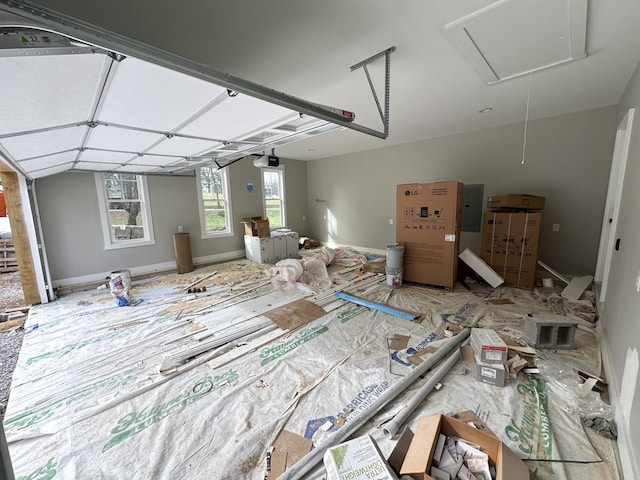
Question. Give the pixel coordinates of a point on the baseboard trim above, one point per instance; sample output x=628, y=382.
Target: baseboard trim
x=627, y=456
x=376, y=251
x=164, y=267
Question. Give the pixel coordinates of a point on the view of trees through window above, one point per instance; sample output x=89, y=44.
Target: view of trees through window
x=214, y=200
x=274, y=197
x=124, y=203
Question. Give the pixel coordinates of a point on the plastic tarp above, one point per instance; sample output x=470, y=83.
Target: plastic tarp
x=88, y=400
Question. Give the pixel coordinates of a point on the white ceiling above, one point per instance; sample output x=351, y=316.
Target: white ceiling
x=305, y=49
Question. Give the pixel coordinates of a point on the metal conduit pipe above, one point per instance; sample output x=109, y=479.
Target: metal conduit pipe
x=394, y=425
x=305, y=464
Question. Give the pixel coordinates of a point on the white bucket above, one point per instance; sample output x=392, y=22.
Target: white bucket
x=394, y=256
x=394, y=277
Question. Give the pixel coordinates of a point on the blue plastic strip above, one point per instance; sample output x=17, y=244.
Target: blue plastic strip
x=377, y=306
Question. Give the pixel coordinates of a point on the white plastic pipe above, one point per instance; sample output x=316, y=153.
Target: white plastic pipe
x=394, y=425
x=299, y=469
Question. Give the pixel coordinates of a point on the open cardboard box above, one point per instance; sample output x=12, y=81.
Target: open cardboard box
x=413, y=453
x=256, y=227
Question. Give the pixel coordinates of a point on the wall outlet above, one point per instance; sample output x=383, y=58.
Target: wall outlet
x=556, y=227
x=638, y=282
x=179, y=228
x=391, y=221
x=304, y=218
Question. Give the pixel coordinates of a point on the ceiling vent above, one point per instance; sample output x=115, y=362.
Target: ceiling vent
x=511, y=38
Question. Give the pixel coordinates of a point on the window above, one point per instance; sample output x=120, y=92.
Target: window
x=274, y=204
x=124, y=210
x=214, y=201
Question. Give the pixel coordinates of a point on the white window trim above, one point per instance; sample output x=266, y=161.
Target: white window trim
x=203, y=225
x=106, y=225
x=279, y=168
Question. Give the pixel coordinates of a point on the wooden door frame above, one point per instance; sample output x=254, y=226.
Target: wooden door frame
x=612, y=205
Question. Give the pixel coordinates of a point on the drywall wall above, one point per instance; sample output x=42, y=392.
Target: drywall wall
x=72, y=231
x=621, y=310
x=567, y=160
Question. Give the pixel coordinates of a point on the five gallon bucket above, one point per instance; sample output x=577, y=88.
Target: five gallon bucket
x=394, y=265
x=394, y=277
x=394, y=256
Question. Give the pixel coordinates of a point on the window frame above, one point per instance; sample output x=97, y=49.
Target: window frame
x=145, y=211
x=228, y=232
x=283, y=194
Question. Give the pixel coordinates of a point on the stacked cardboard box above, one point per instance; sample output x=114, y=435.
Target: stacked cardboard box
x=516, y=202
x=490, y=354
x=428, y=219
x=510, y=236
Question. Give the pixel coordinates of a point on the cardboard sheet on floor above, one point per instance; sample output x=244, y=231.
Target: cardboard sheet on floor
x=288, y=449
x=295, y=314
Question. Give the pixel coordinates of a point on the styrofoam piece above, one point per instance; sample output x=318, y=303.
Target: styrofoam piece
x=550, y=331
x=481, y=268
x=576, y=287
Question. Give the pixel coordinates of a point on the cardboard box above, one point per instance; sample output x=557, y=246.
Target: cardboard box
x=256, y=227
x=491, y=373
x=415, y=460
x=510, y=246
x=488, y=345
x=259, y=249
x=290, y=244
x=357, y=459
x=428, y=219
x=516, y=201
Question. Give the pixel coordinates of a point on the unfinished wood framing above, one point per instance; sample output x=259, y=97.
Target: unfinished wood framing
x=19, y=231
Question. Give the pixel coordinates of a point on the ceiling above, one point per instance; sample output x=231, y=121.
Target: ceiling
x=306, y=49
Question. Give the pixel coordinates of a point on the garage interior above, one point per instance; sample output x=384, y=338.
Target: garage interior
x=341, y=104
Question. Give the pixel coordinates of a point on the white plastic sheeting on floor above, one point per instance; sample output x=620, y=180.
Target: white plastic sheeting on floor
x=88, y=400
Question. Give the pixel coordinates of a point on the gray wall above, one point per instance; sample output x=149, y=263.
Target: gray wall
x=621, y=311
x=567, y=161
x=73, y=236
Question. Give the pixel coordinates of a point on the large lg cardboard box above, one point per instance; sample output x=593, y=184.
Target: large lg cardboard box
x=428, y=219
x=510, y=246
x=417, y=458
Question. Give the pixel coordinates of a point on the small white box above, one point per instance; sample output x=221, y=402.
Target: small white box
x=292, y=244
x=488, y=345
x=259, y=249
x=491, y=373
x=279, y=246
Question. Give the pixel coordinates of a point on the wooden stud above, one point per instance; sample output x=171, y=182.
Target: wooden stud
x=20, y=235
